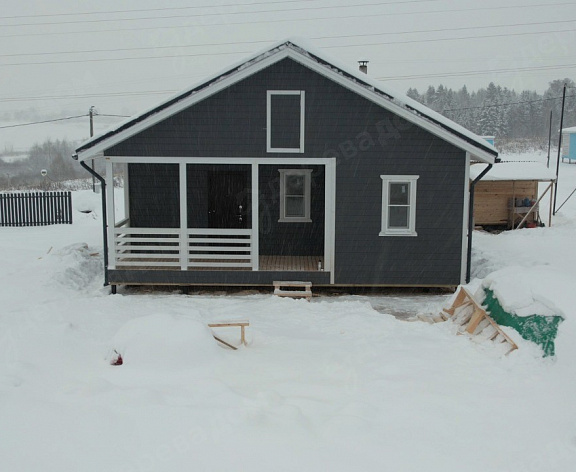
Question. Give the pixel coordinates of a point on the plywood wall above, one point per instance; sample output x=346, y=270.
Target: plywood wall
x=492, y=197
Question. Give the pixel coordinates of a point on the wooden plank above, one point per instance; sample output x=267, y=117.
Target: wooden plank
x=224, y=342
x=292, y=283
x=228, y=323
x=477, y=316
x=292, y=293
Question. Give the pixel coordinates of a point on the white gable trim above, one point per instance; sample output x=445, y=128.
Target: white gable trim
x=259, y=65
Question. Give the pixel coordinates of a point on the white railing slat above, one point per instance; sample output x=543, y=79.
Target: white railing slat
x=219, y=240
x=148, y=240
x=219, y=249
x=204, y=257
x=171, y=231
x=219, y=231
x=219, y=264
x=149, y=264
x=148, y=255
x=123, y=247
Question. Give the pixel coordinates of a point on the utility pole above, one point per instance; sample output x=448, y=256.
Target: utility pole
x=559, y=147
x=549, y=140
x=91, y=113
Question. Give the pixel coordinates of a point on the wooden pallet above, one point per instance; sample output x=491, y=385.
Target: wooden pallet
x=293, y=289
x=473, y=320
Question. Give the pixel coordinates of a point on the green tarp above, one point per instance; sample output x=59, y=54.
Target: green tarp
x=539, y=329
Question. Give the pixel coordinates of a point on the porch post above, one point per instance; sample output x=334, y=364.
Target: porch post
x=111, y=214
x=255, y=218
x=183, y=217
x=126, y=193
x=329, y=216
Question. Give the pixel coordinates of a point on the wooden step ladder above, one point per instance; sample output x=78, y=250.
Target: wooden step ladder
x=473, y=320
x=293, y=289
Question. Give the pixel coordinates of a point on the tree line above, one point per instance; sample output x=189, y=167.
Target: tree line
x=502, y=112
x=52, y=156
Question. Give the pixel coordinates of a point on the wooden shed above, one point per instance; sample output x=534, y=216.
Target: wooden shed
x=509, y=194
x=288, y=166
x=569, y=144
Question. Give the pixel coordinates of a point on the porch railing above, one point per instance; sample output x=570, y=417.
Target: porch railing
x=195, y=248
x=220, y=248
x=146, y=247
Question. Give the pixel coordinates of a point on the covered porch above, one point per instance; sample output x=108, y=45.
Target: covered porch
x=222, y=228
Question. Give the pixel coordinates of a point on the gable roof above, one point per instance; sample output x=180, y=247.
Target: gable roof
x=307, y=55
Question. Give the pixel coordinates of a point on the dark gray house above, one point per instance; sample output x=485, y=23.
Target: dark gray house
x=289, y=166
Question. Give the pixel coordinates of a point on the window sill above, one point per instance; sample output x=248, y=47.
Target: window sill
x=398, y=233
x=291, y=150
x=294, y=220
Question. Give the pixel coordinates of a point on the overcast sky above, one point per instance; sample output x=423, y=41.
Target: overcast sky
x=63, y=56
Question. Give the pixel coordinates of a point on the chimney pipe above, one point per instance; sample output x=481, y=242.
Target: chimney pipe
x=363, y=66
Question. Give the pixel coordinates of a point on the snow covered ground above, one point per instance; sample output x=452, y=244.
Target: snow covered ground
x=338, y=384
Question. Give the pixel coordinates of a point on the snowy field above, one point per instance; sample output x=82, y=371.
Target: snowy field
x=338, y=384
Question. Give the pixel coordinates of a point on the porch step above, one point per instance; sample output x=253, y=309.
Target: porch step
x=293, y=289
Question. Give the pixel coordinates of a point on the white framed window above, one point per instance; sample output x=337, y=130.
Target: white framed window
x=295, y=188
x=285, y=121
x=398, y=205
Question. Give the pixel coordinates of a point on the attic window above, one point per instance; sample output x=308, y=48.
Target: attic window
x=398, y=205
x=285, y=121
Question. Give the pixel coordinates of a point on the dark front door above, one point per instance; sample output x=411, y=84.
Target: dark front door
x=228, y=200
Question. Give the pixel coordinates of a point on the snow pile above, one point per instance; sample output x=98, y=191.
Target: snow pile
x=78, y=267
x=86, y=201
x=166, y=341
x=514, y=170
x=526, y=291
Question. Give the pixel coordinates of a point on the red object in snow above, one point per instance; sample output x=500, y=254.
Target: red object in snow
x=118, y=360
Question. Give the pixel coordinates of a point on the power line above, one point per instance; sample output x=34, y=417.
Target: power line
x=479, y=72
x=438, y=30
x=119, y=116
x=286, y=10
x=282, y=20
x=88, y=95
x=45, y=121
x=453, y=39
x=172, y=56
x=151, y=9
x=59, y=119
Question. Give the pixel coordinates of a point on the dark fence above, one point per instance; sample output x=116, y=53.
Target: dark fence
x=35, y=208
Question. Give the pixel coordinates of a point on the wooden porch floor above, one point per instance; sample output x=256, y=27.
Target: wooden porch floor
x=267, y=263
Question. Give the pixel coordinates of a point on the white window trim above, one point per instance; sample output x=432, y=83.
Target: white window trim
x=386, y=181
x=269, y=95
x=307, y=173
